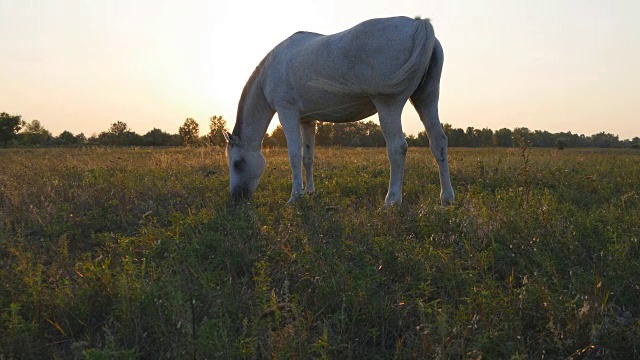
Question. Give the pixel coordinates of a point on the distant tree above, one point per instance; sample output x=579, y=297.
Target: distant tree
x=119, y=134
x=216, y=126
x=503, y=138
x=105, y=138
x=324, y=133
x=269, y=142
x=190, y=132
x=604, y=140
x=543, y=139
x=278, y=136
x=523, y=134
x=34, y=133
x=521, y=138
x=483, y=137
x=157, y=137
x=470, y=135
x=423, y=138
x=456, y=137
x=579, y=141
x=344, y=133
x=133, y=139
x=66, y=137
x=93, y=139
x=412, y=140
x=81, y=139
x=373, y=135
x=10, y=125
x=419, y=140
x=118, y=128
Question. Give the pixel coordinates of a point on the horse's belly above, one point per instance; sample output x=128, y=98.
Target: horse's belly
x=339, y=112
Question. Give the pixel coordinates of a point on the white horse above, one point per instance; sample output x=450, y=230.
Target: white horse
x=376, y=66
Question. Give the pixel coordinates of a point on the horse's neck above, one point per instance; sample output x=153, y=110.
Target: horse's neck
x=254, y=113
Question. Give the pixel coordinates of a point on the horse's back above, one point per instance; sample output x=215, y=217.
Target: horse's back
x=366, y=56
x=376, y=57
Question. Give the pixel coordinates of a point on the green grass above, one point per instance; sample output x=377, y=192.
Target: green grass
x=132, y=253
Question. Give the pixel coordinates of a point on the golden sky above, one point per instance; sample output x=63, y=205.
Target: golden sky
x=571, y=65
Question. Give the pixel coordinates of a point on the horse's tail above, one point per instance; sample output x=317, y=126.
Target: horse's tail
x=424, y=39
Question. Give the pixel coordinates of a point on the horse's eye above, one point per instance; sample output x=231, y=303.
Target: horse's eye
x=238, y=164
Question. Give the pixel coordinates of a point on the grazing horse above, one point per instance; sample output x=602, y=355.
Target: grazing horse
x=374, y=67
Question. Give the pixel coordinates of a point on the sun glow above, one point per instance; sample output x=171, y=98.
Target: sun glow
x=81, y=66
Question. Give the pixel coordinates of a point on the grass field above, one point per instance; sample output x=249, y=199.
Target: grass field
x=137, y=253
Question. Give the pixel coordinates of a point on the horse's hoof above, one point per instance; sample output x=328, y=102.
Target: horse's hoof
x=390, y=205
x=447, y=200
x=293, y=199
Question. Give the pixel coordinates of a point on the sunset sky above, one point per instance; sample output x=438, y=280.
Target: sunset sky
x=571, y=65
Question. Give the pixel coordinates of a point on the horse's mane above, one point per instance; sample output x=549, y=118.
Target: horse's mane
x=245, y=91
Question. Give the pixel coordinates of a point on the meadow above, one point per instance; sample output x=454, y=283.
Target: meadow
x=119, y=253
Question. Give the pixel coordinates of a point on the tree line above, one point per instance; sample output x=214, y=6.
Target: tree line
x=16, y=132
x=369, y=134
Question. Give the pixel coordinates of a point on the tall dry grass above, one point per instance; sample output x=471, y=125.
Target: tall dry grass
x=138, y=253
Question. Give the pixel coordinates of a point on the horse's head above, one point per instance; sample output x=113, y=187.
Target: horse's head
x=246, y=165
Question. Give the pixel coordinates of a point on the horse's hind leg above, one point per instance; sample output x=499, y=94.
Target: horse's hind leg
x=308, y=130
x=389, y=112
x=425, y=100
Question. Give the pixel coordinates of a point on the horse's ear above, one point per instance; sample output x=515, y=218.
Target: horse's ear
x=231, y=139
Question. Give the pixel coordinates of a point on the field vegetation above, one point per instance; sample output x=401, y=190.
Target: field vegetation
x=120, y=253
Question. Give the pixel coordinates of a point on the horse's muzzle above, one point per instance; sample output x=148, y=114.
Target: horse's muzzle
x=241, y=193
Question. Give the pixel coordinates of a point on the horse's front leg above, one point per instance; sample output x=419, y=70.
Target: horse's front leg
x=389, y=114
x=291, y=127
x=308, y=143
